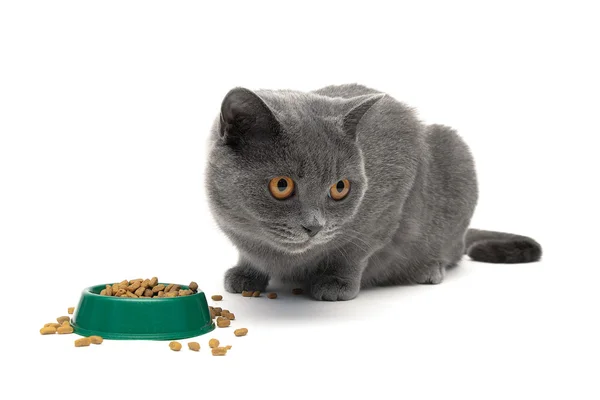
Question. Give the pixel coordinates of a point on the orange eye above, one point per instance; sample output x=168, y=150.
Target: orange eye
x=281, y=187
x=339, y=190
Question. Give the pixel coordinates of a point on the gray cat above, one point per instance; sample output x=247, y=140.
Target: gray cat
x=344, y=188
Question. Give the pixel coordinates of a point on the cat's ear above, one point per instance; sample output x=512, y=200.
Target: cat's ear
x=245, y=117
x=360, y=107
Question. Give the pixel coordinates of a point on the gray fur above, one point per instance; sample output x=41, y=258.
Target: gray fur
x=405, y=220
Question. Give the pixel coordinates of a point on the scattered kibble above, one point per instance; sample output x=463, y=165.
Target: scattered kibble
x=272, y=295
x=175, y=346
x=228, y=347
x=256, y=293
x=193, y=286
x=297, y=291
x=194, y=346
x=240, y=332
x=228, y=315
x=212, y=343
x=65, y=329
x=83, y=342
x=70, y=310
x=54, y=324
x=48, y=330
x=96, y=339
x=219, y=351
x=217, y=297
x=247, y=293
x=63, y=319
x=223, y=322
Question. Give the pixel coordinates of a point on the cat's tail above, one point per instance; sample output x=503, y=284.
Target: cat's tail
x=500, y=247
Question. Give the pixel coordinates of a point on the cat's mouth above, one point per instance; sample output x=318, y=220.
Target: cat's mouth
x=298, y=243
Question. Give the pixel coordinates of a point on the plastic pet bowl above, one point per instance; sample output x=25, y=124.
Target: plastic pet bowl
x=141, y=319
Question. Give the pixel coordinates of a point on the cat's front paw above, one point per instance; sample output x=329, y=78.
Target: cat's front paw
x=333, y=288
x=238, y=279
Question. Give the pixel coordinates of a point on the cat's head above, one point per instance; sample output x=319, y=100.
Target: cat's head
x=285, y=168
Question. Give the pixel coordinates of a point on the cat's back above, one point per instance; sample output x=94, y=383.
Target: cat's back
x=346, y=91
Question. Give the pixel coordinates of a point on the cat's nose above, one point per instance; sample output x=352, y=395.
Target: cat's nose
x=312, y=230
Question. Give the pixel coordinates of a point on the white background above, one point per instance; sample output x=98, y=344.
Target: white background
x=105, y=109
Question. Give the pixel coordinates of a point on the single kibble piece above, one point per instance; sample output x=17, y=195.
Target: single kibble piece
x=217, y=297
x=219, y=351
x=194, y=346
x=115, y=288
x=134, y=286
x=212, y=343
x=175, y=288
x=64, y=329
x=193, y=286
x=158, y=288
x=132, y=295
x=146, y=283
x=96, y=339
x=168, y=288
x=183, y=292
x=83, y=342
x=256, y=293
x=297, y=291
x=246, y=293
x=140, y=280
x=240, y=332
x=228, y=347
x=109, y=291
x=70, y=310
x=175, y=346
x=148, y=293
x=153, y=282
x=54, y=324
x=172, y=294
x=63, y=319
x=124, y=283
x=140, y=291
x=121, y=293
x=272, y=295
x=160, y=294
x=228, y=315
x=103, y=292
x=218, y=311
x=48, y=330
x=223, y=322
x=65, y=323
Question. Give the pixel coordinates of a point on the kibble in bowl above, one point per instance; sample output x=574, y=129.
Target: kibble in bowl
x=135, y=310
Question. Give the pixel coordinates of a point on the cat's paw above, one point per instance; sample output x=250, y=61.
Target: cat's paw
x=333, y=288
x=238, y=279
x=432, y=276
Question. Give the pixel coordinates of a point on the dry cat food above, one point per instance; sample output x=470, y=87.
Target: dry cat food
x=247, y=293
x=70, y=310
x=63, y=319
x=194, y=346
x=147, y=288
x=175, y=346
x=48, y=330
x=226, y=314
x=256, y=293
x=96, y=339
x=83, y=342
x=272, y=295
x=219, y=351
x=64, y=329
x=223, y=322
x=212, y=343
x=240, y=332
x=217, y=297
x=297, y=291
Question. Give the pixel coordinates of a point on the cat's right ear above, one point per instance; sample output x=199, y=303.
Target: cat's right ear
x=245, y=117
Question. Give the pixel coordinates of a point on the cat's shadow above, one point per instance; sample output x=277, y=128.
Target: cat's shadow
x=302, y=307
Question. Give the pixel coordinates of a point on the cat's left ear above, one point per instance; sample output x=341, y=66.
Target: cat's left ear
x=353, y=117
x=245, y=117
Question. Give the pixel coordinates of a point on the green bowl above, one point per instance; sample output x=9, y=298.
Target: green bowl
x=141, y=319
